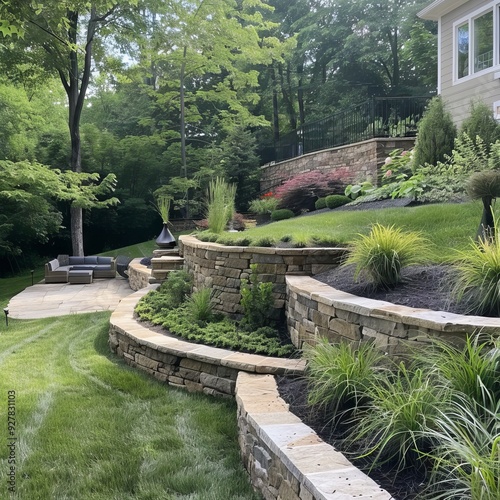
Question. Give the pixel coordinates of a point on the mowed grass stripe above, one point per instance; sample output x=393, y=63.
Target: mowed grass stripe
x=91, y=427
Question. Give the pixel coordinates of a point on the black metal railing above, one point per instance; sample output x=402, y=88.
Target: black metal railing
x=376, y=117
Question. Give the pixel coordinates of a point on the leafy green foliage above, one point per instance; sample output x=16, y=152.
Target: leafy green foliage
x=281, y=214
x=170, y=294
x=383, y=253
x=264, y=241
x=436, y=134
x=257, y=301
x=337, y=200
x=352, y=191
x=263, y=205
x=481, y=123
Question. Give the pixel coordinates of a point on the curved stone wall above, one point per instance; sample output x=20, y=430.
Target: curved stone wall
x=315, y=309
x=221, y=268
x=138, y=275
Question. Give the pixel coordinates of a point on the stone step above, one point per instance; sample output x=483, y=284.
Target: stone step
x=167, y=263
x=160, y=275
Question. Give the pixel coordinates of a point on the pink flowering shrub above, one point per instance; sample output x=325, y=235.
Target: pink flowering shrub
x=300, y=192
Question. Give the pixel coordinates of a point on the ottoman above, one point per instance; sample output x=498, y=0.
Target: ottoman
x=80, y=276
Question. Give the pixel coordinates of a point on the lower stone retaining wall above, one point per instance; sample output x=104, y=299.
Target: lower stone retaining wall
x=195, y=367
x=284, y=457
x=315, y=310
x=221, y=268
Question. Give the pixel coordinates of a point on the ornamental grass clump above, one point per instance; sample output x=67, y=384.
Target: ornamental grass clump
x=339, y=375
x=393, y=427
x=476, y=280
x=466, y=457
x=385, y=252
x=220, y=205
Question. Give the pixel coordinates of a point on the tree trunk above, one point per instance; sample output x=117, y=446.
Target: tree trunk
x=276, y=125
x=77, y=230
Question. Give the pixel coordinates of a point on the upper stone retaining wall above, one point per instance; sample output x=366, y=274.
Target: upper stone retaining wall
x=315, y=310
x=221, y=268
x=362, y=160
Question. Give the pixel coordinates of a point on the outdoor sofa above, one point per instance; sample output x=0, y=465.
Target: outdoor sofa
x=57, y=270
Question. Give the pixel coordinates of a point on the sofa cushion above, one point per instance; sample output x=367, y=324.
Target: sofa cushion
x=53, y=264
x=104, y=260
x=74, y=261
x=102, y=267
x=90, y=260
x=63, y=260
x=83, y=267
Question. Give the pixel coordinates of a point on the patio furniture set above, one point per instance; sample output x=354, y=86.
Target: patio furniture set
x=79, y=270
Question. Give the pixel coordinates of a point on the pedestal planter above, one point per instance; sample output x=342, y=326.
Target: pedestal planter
x=165, y=239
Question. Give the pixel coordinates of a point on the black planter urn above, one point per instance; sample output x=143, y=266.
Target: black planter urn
x=165, y=239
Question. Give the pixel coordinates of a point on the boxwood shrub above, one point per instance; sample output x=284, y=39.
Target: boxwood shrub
x=337, y=200
x=281, y=214
x=320, y=203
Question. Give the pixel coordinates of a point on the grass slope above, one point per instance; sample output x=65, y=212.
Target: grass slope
x=90, y=427
x=447, y=226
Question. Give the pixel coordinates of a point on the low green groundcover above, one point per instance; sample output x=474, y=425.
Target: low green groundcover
x=221, y=332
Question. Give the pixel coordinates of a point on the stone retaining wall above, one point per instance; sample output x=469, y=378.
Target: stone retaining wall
x=315, y=310
x=182, y=364
x=221, y=268
x=138, y=275
x=284, y=457
x=362, y=161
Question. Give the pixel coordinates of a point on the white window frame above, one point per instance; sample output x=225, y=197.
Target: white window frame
x=469, y=19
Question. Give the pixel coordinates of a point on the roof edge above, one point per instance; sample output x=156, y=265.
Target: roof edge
x=439, y=8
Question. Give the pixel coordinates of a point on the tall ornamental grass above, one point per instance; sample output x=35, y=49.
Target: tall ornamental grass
x=477, y=277
x=339, y=374
x=220, y=204
x=385, y=252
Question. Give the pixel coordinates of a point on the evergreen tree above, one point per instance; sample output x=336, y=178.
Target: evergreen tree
x=481, y=123
x=436, y=134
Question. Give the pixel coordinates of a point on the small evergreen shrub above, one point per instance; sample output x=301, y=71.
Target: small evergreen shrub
x=286, y=238
x=435, y=136
x=337, y=200
x=281, y=214
x=384, y=252
x=320, y=203
x=208, y=236
x=481, y=123
x=257, y=301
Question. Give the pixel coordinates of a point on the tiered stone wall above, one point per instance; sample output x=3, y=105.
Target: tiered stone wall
x=138, y=275
x=316, y=310
x=284, y=457
x=182, y=364
x=221, y=268
x=362, y=161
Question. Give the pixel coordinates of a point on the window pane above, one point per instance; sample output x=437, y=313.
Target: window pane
x=463, y=50
x=483, y=42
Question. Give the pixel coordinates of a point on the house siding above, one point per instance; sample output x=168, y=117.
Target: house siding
x=459, y=95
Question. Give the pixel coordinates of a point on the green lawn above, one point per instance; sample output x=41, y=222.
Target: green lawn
x=90, y=427
x=447, y=226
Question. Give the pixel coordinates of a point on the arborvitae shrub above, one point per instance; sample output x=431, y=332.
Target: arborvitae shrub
x=281, y=214
x=481, y=123
x=320, y=203
x=436, y=134
x=337, y=200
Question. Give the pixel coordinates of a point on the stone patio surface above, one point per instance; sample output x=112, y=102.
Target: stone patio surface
x=58, y=299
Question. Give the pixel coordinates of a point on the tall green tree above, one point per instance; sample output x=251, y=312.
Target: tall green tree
x=61, y=37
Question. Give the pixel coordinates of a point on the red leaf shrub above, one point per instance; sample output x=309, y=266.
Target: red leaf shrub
x=300, y=192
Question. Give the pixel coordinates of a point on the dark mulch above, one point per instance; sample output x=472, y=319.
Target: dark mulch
x=426, y=287
x=407, y=485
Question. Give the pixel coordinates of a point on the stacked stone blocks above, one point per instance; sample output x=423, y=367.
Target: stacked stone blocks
x=362, y=160
x=316, y=310
x=221, y=268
